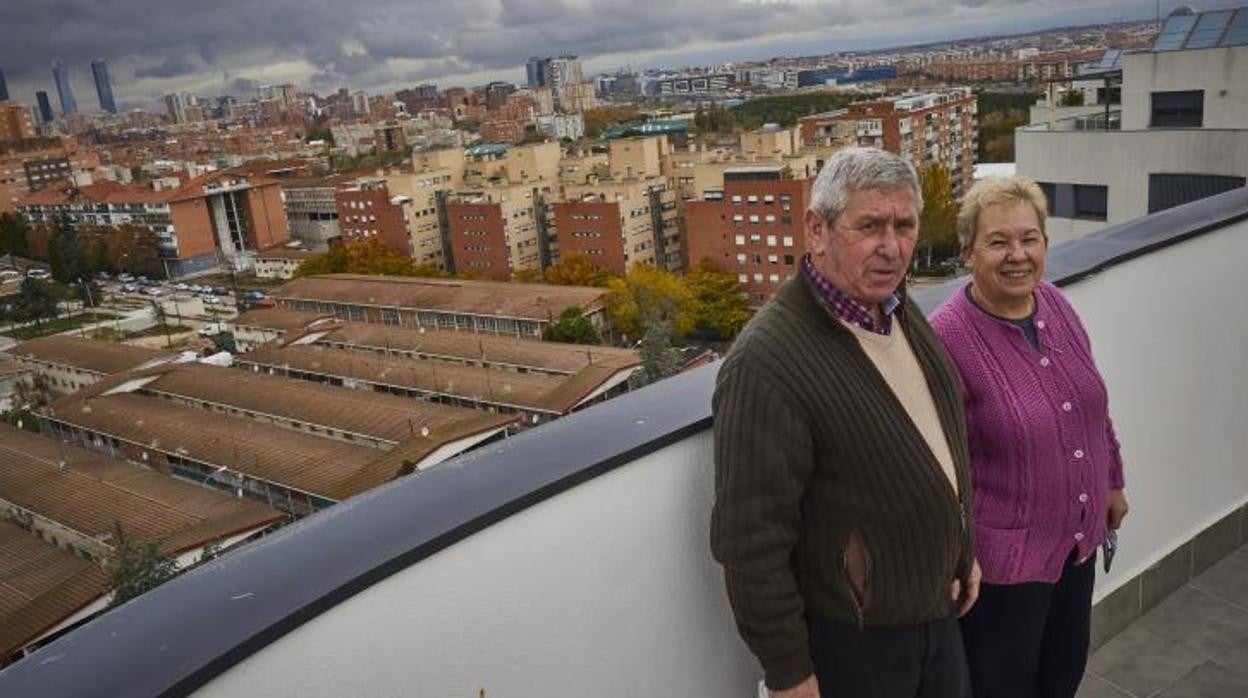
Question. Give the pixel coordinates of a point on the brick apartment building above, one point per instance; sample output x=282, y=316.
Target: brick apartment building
x=1047, y=66
x=366, y=209
x=218, y=216
x=497, y=231
x=619, y=224
x=754, y=229
x=16, y=123
x=27, y=166
x=937, y=127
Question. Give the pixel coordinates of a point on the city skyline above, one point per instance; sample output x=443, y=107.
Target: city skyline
x=377, y=49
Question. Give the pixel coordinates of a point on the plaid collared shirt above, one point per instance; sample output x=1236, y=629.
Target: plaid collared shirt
x=849, y=310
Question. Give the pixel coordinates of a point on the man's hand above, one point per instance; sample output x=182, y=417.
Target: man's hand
x=1117, y=508
x=806, y=689
x=965, y=598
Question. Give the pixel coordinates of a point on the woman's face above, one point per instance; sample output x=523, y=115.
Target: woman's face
x=1007, y=255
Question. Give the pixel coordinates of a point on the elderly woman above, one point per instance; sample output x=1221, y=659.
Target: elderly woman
x=1046, y=473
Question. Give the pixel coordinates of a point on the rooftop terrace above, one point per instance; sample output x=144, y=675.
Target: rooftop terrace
x=497, y=573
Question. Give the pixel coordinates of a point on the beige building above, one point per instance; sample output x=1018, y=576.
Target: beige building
x=637, y=158
x=418, y=194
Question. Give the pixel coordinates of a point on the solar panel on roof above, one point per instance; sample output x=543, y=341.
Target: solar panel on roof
x=1209, y=29
x=1237, y=32
x=1174, y=32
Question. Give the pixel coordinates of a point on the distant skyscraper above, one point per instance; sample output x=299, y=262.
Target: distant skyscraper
x=103, y=87
x=535, y=71
x=60, y=74
x=4, y=89
x=45, y=106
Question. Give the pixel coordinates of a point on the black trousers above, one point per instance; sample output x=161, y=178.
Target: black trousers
x=918, y=661
x=1031, y=640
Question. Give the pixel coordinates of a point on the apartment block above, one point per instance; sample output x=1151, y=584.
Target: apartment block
x=619, y=224
x=1178, y=134
x=16, y=122
x=214, y=217
x=419, y=195
x=936, y=127
x=366, y=209
x=312, y=208
x=753, y=229
x=494, y=232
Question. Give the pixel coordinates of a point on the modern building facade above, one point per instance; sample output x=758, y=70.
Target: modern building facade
x=311, y=208
x=1180, y=133
x=60, y=75
x=367, y=210
x=45, y=107
x=4, y=88
x=103, y=86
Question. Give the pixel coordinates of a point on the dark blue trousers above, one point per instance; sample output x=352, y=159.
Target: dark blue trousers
x=1031, y=640
x=918, y=661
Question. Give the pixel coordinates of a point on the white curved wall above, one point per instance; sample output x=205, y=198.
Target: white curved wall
x=608, y=589
x=1170, y=334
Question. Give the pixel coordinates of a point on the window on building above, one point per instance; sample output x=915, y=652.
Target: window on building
x=756, y=239
x=758, y=277
x=743, y=278
x=739, y=239
x=1185, y=109
x=1091, y=202
x=1050, y=196
x=788, y=240
x=754, y=219
x=771, y=240
x=741, y=258
x=1170, y=190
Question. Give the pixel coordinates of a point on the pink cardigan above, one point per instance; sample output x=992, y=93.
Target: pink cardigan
x=1043, y=451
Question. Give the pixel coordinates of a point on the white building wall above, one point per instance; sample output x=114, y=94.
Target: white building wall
x=1123, y=160
x=1221, y=72
x=608, y=589
x=1177, y=374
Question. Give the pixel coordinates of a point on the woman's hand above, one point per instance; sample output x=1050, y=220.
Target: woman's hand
x=1117, y=509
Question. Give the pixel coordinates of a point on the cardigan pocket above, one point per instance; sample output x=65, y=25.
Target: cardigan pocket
x=856, y=566
x=1000, y=552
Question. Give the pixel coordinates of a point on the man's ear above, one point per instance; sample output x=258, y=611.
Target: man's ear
x=816, y=233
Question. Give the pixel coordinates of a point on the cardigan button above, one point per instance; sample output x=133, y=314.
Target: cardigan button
x=1083, y=498
x=1044, y=361
x=1039, y=324
x=1079, y=453
x=1066, y=407
x=1078, y=536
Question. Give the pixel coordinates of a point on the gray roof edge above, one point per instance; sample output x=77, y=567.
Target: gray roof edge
x=1073, y=260
x=254, y=595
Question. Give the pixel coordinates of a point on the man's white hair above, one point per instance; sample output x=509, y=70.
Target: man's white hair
x=854, y=169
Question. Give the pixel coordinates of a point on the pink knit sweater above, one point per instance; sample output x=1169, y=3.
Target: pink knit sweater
x=1043, y=451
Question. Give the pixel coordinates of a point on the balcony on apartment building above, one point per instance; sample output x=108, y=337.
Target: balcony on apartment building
x=573, y=559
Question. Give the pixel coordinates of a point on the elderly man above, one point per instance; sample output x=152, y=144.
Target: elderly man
x=842, y=499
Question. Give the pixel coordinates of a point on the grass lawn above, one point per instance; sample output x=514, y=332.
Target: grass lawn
x=158, y=331
x=246, y=282
x=58, y=325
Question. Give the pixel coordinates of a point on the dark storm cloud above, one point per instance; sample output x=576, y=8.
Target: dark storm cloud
x=352, y=41
x=171, y=67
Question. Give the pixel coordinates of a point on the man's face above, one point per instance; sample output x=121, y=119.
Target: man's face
x=866, y=250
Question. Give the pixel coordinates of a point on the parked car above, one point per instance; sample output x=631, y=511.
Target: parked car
x=181, y=287
x=103, y=276
x=221, y=290
x=129, y=288
x=254, y=296
x=125, y=278
x=41, y=274
x=209, y=299
x=153, y=290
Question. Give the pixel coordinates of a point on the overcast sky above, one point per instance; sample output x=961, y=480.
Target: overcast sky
x=229, y=46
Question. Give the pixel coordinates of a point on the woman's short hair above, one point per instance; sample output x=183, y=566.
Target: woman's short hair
x=998, y=190
x=853, y=169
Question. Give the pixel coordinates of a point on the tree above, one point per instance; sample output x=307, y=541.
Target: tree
x=576, y=269
x=28, y=397
x=572, y=327
x=367, y=256
x=721, y=309
x=65, y=253
x=648, y=296
x=34, y=302
x=135, y=567
x=658, y=359
x=14, y=235
x=938, y=223
x=1071, y=98
x=527, y=276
